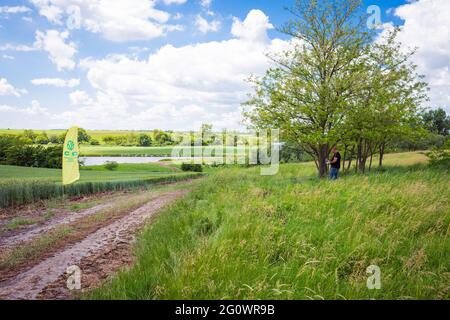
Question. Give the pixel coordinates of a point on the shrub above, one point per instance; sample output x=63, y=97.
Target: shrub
x=111, y=165
x=440, y=156
x=145, y=140
x=192, y=167
x=94, y=142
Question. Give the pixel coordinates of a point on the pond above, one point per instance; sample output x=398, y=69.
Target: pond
x=97, y=161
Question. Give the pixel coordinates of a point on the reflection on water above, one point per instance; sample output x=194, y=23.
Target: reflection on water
x=96, y=161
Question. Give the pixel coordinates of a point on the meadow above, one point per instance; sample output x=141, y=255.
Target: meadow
x=240, y=235
x=20, y=185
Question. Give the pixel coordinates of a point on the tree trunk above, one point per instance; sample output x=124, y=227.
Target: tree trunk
x=351, y=158
x=362, y=156
x=382, y=147
x=371, y=159
x=323, y=156
x=345, y=157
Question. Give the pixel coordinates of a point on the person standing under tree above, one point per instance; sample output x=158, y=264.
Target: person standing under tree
x=335, y=164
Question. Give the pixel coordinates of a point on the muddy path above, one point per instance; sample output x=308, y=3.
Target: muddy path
x=98, y=255
x=27, y=234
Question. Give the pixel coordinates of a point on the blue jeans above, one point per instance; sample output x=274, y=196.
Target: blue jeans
x=334, y=173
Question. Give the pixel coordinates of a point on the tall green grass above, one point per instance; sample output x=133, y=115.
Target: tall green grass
x=290, y=236
x=17, y=192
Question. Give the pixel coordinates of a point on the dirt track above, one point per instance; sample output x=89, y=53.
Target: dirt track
x=98, y=255
x=35, y=231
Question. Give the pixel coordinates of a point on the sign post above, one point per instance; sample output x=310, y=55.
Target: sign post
x=70, y=166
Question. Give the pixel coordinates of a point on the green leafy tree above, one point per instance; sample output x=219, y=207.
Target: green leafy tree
x=42, y=138
x=145, y=140
x=306, y=95
x=83, y=136
x=162, y=138
x=437, y=121
x=29, y=134
x=386, y=108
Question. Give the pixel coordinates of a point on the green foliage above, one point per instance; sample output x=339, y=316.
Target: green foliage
x=14, y=151
x=29, y=134
x=162, y=138
x=42, y=139
x=293, y=152
x=145, y=140
x=437, y=121
x=441, y=156
x=192, y=167
x=94, y=142
x=83, y=136
x=111, y=165
x=422, y=142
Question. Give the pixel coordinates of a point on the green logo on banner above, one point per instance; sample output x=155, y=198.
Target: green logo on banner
x=70, y=145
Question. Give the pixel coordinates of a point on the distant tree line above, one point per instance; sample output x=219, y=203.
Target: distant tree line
x=157, y=138
x=17, y=151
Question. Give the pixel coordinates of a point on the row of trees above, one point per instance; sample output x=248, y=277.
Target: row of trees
x=30, y=137
x=339, y=85
x=155, y=138
x=15, y=151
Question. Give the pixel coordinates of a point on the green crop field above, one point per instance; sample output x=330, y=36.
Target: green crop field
x=20, y=185
x=241, y=235
x=94, y=173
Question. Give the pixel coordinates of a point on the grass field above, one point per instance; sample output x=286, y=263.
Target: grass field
x=94, y=173
x=290, y=236
x=19, y=185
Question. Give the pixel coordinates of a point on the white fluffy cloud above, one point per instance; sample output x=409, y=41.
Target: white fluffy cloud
x=56, y=82
x=254, y=28
x=205, y=26
x=169, y=2
x=427, y=28
x=7, y=89
x=205, y=3
x=34, y=109
x=19, y=48
x=175, y=87
x=116, y=20
x=60, y=52
x=15, y=9
x=79, y=98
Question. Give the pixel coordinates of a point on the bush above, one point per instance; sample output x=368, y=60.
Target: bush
x=145, y=140
x=111, y=165
x=440, y=156
x=42, y=139
x=94, y=142
x=192, y=167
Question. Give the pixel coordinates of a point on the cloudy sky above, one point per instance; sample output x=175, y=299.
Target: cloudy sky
x=169, y=64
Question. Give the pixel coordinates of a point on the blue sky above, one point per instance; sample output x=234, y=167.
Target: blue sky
x=171, y=64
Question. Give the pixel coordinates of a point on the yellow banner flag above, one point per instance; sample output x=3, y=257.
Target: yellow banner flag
x=71, y=169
